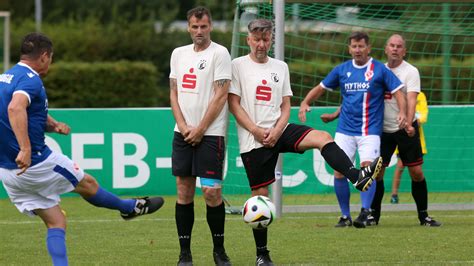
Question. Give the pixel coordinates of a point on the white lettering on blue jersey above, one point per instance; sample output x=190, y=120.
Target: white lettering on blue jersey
x=362, y=90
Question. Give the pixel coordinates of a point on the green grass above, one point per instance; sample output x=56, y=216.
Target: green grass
x=330, y=198
x=100, y=237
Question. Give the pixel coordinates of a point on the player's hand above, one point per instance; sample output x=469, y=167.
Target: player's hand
x=326, y=118
x=410, y=130
x=259, y=133
x=184, y=130
x=23, y=160
x=61, y=128
x=304, y=108
x=402, y=120
x=195, y=136
x=271, y=137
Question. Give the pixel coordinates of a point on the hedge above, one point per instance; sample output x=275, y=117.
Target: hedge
x=104, y=84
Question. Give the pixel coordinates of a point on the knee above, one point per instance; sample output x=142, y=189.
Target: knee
x=87, y=187
x=325, y=138
x=212, y=196
x=338, y=175
x=322, y=139
x=417, y=176
x=261, y=191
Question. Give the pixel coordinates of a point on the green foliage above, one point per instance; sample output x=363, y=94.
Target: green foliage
x=307, y=74
x=102, y=84
x=90, y=41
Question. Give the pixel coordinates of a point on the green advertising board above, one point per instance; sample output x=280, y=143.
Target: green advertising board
x=129, y=151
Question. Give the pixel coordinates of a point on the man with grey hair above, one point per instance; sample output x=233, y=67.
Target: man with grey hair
x=407, y=140
x=259, y=98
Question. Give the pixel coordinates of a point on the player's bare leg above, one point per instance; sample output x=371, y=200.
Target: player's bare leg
x=55, y=221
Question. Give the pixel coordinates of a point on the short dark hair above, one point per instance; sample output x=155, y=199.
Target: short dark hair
x=358, y=35
x=34, y=44
x=199, y=12
x=260, y=25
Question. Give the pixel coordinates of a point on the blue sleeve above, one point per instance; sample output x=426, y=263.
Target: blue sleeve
x=332, y=79
x=391, y=81
x=32, y=86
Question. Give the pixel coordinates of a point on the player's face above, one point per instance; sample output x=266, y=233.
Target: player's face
x=200, y=30
x=259, y=43
x=395, y=49
x=359, y=50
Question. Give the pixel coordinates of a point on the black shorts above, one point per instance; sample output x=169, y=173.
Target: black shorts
x=260, y=163
x=409, y=148
x=204, y=160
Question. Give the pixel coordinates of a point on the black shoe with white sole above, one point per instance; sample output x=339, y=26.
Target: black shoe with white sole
x=144, y=206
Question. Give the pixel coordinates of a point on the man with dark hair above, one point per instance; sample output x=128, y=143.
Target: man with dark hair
x=363, y=82
x=408, y=140
x=199, y=81
x=259, y=98
x=33, y=175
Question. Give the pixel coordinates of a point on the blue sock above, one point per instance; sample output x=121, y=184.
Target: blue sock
x=56, y=243
x=343, y=194
x=368, y=196
x=105, y=199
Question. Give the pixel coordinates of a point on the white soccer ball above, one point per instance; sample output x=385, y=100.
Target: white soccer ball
x=258, y=212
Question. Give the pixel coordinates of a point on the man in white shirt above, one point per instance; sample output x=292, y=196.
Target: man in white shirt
x=259, y=98
x=199, y=82
x=408, y=140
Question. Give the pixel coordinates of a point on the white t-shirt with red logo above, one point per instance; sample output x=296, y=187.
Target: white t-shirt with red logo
x=195, y=73
x=261, y=88
x=410, y=77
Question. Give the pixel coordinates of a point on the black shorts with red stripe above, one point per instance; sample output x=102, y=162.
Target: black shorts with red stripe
x=204, y=160
x=260, y=163
x=409, y=148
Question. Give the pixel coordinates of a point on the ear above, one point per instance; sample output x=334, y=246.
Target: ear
x=44, y=56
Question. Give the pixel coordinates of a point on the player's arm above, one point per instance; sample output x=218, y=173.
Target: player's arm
x=19, y=122
x=243, y=118
x=57, y=127
x=178, y=115
x=411, y=106
x=312, y=95
x=326, y=118
x=402, y=115
x=273, y=134
x=221, y=89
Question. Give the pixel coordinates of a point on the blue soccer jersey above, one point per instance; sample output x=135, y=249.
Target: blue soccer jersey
x=362, y=89
x=22, y=79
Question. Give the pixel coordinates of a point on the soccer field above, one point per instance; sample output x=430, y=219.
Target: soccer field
x=100, y=237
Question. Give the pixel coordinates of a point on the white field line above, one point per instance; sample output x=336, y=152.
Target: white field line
x=228, y=218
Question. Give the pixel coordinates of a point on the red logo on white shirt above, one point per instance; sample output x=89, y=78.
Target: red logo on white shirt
x=263, y=93
x=189, y=80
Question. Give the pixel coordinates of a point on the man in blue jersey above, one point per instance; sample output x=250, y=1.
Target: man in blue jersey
x=363, y=82
x=33, y=175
